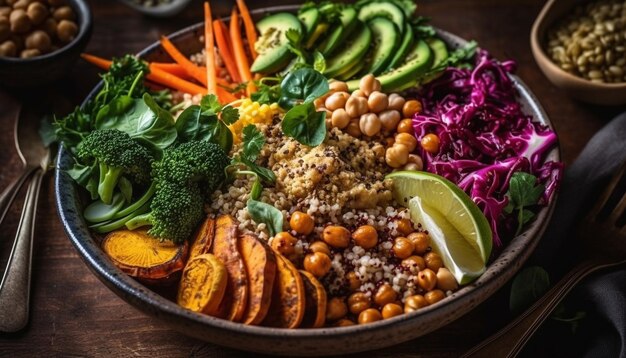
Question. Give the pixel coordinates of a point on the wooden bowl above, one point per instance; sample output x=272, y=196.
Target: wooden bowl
x=294, y=342
x=577, y=87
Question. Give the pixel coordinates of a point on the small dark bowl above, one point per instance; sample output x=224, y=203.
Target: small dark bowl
x=44, y=69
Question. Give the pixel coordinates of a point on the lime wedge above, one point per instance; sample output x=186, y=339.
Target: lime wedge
x=459, y=231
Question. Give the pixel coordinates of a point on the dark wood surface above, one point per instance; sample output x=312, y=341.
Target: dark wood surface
x=73, y=314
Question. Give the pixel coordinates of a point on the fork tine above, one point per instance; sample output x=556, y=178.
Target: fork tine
x=606, y=194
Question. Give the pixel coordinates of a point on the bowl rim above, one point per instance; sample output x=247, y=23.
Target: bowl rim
x=84, y=15
x=512, y=257
x=538, y=30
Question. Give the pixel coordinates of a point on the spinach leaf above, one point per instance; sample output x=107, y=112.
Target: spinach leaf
x=305, y=124
x=523, y=192
x=195, y=124
x=264, y=213
x=528, y=285
x=303, y=85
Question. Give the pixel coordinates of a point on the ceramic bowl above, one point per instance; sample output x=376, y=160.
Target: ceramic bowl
x=40, y=70
x=577, y=87
x=312, y=342
x=165, y=10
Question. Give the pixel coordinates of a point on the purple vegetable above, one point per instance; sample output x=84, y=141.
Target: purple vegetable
x=484, y=136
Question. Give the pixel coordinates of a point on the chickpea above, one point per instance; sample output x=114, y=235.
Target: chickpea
x=336, y=100
x=37, y=13
x=370, y=124
x=33, y=52
x=421, y=241
x=377, y=85
x=385, y=294
x=8, y=49
x=353, y=281
x=20, y=23
x=377, y=102
x=5, y=28
x=356, y=106
x=340, y=118
x=405, y=227
x=358, y=302
x=397, y=155
x=417, y=160
x=320, y=246
x=302, y=223
x=353, y=128
x=63, y=13
x=434, y=296
x=21, y=4
x=411, y=107
x=358, y=93
x=389, y=119
x=66, y=30
x=284, y=243
x=365, y=236
x=427, y=279
x=391, y=310
x=445, y=280
x=430, y=143
x=413, y=303
x=405, y=126
x=414, y=263
x=336, y=236
x=402, y=247
x=49, y=26
x=411, y=166
x=338, y=86
x=433, y=261
x=396, y=102
x=344, y=323
x=369, y=315
x=367, y=84
x=317, y=263
x=406, y=139
x=38, y=39
x=335, y=309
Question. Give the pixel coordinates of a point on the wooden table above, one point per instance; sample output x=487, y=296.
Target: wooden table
x=73, y=314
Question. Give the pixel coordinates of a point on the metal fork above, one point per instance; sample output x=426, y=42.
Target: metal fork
x=610, y=252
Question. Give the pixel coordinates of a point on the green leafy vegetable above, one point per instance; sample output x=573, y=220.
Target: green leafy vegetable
x=253, y=141
x=267, y=93
x=304, y=58
x=523, y=193
x=305, y=124
x=303, y=85
x=264, y=213
x=528, y=285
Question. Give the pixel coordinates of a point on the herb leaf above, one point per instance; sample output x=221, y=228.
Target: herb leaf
x=264, y=213
x=210, y=103
x=528, y=285
x=305, y=124
x=253, y=142
x=523, y=193
x=304, y=85
x=229, y=115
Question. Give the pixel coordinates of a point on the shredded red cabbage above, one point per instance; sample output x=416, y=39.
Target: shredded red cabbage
x=484, y=136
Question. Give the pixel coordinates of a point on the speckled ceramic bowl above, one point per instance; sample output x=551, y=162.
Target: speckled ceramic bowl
x=312, y=342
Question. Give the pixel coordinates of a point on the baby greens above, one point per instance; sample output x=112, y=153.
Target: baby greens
x=266, y=214
x=303, y=85
x=523, y=193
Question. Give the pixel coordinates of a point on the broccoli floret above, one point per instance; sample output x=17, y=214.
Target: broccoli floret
x=116, y=155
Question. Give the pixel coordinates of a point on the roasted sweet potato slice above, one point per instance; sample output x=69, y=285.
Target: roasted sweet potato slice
x=225, y=248
x=142, y=256
x=288, y=297
x=315, y=305
x=260, y=264
x=203, y=284
x=203, y=238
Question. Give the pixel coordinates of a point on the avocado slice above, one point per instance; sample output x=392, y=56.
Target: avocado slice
x=385, y=9
x=386, y=39
x=310, y=18
x=417, y=62
x=341, y=31
x=439, y=49
x=403, y=49
x=351, y=53
x=272, y=46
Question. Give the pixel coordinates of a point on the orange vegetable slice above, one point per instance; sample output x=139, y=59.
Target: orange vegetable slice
x=260, y=264
x=315, y=311
x=203, y=284
x=288, y=296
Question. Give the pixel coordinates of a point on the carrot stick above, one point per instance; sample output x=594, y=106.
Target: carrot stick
x=240, y=54
x=223, y=45
x=173, y=68
x=189, y=67
x=249, y=25
x=167, y=79
x=98, y=61
x=209, y=48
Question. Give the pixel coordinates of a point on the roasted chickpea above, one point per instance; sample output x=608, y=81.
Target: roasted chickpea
x=284, y=243
x=353, y=128
x=344, y=323
x=433, y=261
x=397, y=155
x=20, y=23
x=338, y=86
x=413, y=303
x=385, y=294
x=417, y=160
x=353, y=281
x=411, y=107
x=356, y=106
x=369, y=315
x=63, y=13
x=8, y=49
x=335, y=309
x=38, y=39
x=340, y=118
x=302, y=223
x=365, y=236
x=430, y=143
x=427, y=279
x=377, y=102
x=336, y=236
x=358, y=93
x=414, y=263
x=33, y=52
x=37, y=12
x=21, y=4
x=320, y=246
x=434, y=296
x=391, y=310
x=445, y=280
x=407, y=139
x=336, y=100
x=370, y=124
x=367, y=84
x=358, y=302
x=405, y=126
x=317, y=263
x=421, y=241
x=396, y=102
x=402, y=247
x=405, y=227
x=389, y=119
x=66, y=30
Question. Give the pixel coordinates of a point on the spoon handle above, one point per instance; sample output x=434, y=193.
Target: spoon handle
x=8, y=195
x=15, y=284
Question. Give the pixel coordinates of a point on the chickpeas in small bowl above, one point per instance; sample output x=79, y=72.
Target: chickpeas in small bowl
x=41, y=39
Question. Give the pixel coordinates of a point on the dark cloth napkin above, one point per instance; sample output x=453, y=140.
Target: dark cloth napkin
x=602, y=297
